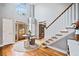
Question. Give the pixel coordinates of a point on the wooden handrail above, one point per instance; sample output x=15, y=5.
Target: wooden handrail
x=59, y=15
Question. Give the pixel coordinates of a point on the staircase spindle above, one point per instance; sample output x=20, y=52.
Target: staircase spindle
x=73, y=14
x=67, y=17
x=76, y=11
x=70, y=16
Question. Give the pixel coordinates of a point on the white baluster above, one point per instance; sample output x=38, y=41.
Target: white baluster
x=71, y=15
x=74, y=13
x=77, y=17
x=68, y=17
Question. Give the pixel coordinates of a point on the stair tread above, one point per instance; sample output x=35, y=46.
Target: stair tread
x=51, y=42
x=47, y=41
x=58, y=38
x=54, y=37
x=73, y=22
x=70, y=27
x=59, y=35
x=50, y=39
x=64, y=31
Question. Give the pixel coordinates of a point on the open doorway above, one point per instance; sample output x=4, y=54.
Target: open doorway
x=21, y=29
x=41, y=31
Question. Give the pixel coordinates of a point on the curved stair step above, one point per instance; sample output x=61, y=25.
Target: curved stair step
x=54, y=37
x=59, y=35
x=70, y=27
x=64, y=31
x=50, y=39
x=47, y=41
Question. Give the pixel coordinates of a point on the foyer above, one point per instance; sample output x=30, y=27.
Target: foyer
x=39, y=29
x=10, y=51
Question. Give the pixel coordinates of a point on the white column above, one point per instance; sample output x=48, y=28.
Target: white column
x=77, y=11
x=33, y=27
x=70, y=18
x=73, y=13
x=66, y=18
x=30, y=23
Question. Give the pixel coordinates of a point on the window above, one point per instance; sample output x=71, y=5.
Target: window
x=21, y=9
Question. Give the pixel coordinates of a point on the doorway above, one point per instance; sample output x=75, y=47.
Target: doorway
x=21, y=29
x=41, y=31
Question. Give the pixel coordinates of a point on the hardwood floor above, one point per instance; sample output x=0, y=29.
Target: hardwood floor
x=0, y=51
x=7, y=51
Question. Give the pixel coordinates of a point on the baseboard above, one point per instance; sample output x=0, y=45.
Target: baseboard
x=7, y=44
x=1, y=45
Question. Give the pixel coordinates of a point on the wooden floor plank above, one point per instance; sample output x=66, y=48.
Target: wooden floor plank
x=52, y=51
x=7, y=51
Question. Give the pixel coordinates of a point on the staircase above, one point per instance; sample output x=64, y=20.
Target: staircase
x=59, y=38
x=57, y=33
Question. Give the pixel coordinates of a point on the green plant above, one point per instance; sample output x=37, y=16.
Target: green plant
x=30, y=32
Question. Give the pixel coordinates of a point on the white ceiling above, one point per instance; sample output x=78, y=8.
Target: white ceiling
x=50, y=4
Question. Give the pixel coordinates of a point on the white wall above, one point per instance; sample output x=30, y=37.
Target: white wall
x=9, y=11
x=49, y=11
x=1, y=6
x=0, y=31
x=65, y=20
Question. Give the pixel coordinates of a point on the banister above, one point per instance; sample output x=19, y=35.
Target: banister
x=59, y=15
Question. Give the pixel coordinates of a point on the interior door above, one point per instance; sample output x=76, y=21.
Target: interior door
x=8, y=33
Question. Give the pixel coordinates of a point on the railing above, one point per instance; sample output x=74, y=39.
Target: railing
x=59, y=16
x=66, y=18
